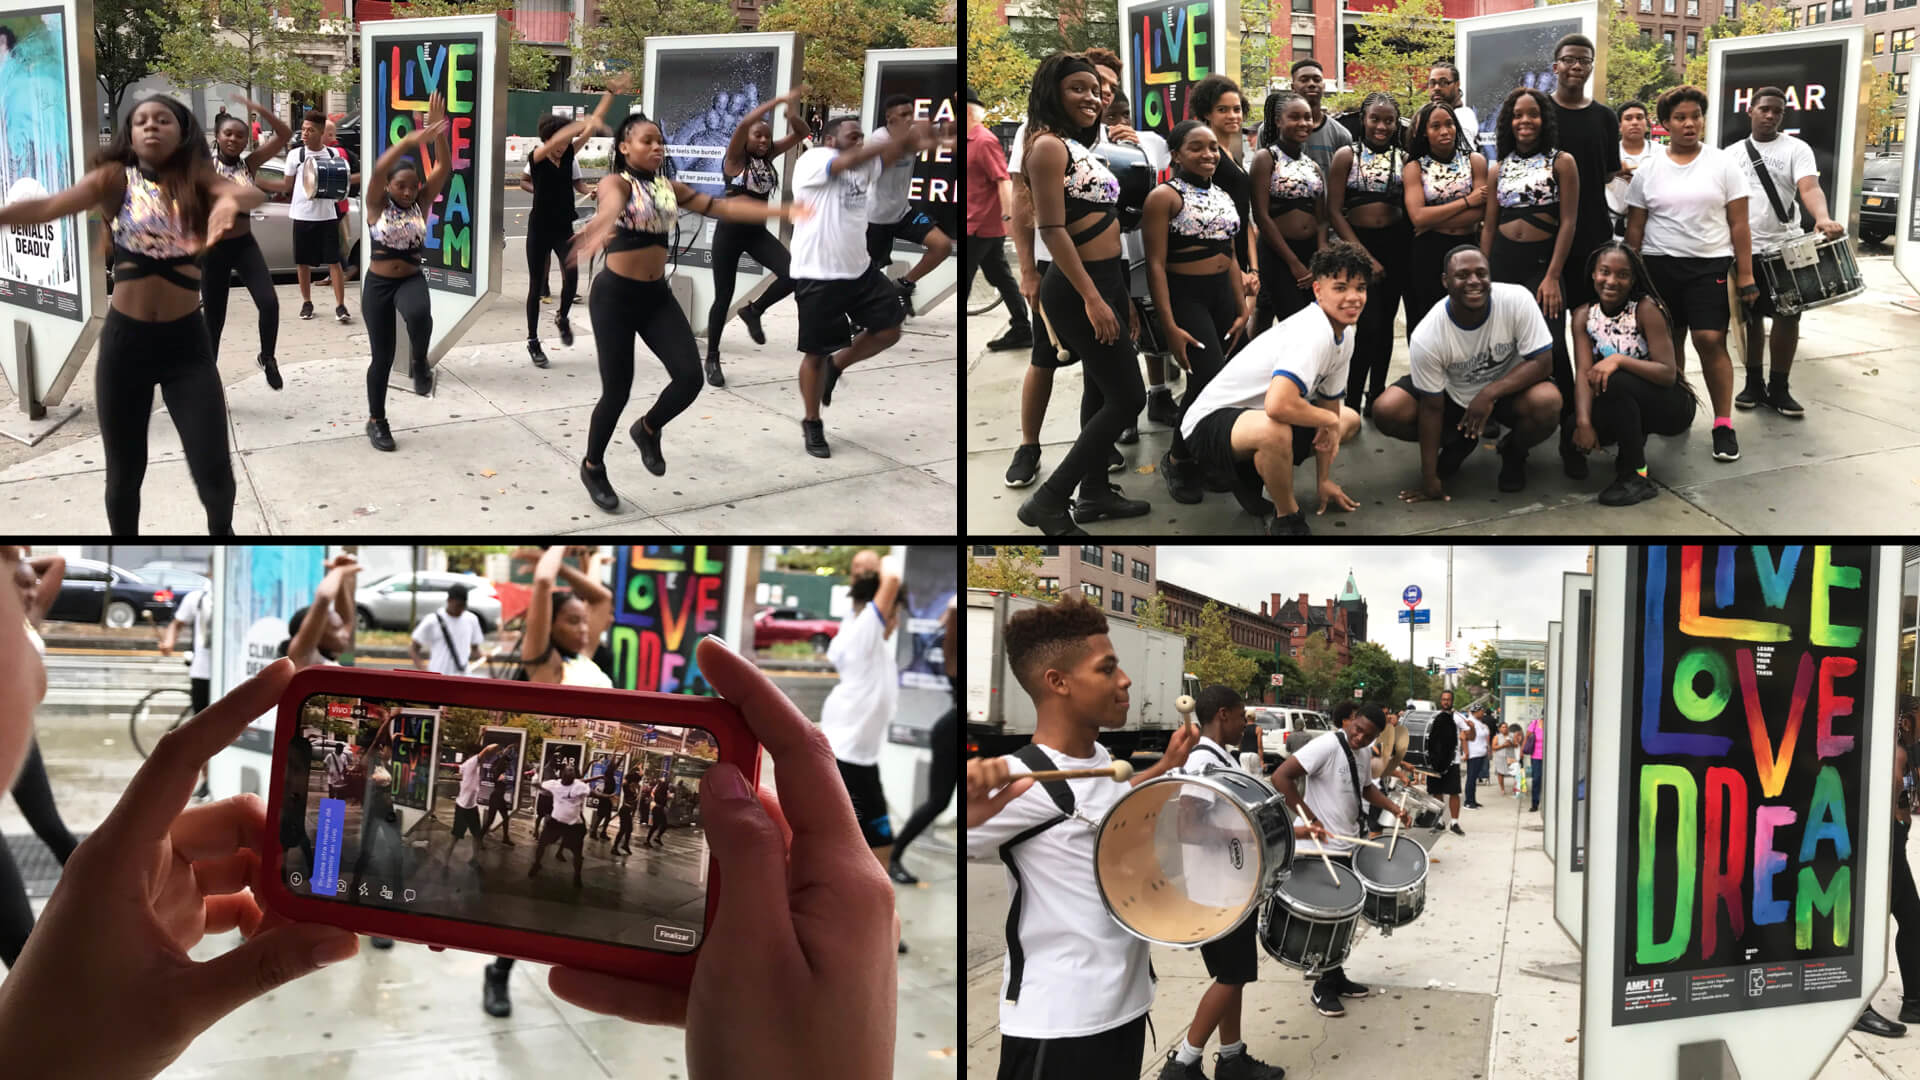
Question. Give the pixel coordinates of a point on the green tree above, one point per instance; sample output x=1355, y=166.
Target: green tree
x=997, y=68
x=1153, y=613
x=529, y=67
x=1398, y=46
x=1879, y=111
x=248, y=43
x=1384, y=677
x=837, y=559
x=1261, y=51
x=1319, y=668
x=1753, y=19
x=1067, y=26
x=1211, y=654
x=1637, y=69
x=1015, y=569
x=471, y=558
x=838, y=34
x=127, y=45
x=619, y=41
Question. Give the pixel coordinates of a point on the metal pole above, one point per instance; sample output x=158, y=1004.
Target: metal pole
x=1449, y=638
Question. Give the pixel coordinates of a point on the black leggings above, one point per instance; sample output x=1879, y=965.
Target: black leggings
x=177, y=357
x=1204, y=305
x=1423, y=274
x=35, y=798
x=1525, y=262
x=730, y=239
x=1373, y=335
x=1906, y=915
x=540, y=244
x=239, y=255
x=988, y=255
x=1280, y=295
x=622, y=307
x=1630, y=409
x=1112, y=392
x=941, y=780
x=380, y=298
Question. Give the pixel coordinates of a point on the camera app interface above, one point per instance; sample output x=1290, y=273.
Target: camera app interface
x=565, y=825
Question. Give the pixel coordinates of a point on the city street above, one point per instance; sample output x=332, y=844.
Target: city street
x=412, y=1012
x=500, y=440
x=1849, y=463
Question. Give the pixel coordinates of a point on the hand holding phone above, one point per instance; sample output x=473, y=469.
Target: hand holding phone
x=804, y=941
x=143, y=889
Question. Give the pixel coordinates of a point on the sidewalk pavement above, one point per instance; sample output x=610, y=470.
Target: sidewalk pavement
x=498, y=445
x=1483, y=984
x=1851, y=463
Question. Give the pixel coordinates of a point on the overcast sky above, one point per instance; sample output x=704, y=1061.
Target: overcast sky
x=1517, y=586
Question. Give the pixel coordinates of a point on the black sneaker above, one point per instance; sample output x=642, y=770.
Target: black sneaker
x=715, y=377
x=1174, y=1070
x=379, y=434
x=599, y=486
x=1456, y=830
x=1453, y=452
x=1026, y=465
x=1328, y=1004
x=1161, y=408
x=1179, y=478
x=306, y=310
x=561, y=324
x=1572, y=461
x=900, y=874
x=1725, y=446
x=1130, y=435
x=649, y=444
x=1111, y=503
x=422, y=380
x=832, y=377
x=538, y=354
x=1782, y=401
x=1754, y=394
x=493, y=997
x=340, y=315
x=1016, y=337
x=1244, y=1066
x=1116, y=461
x=815, y=435
x=1040, y=511
x=272, y=368
x=906, y=295
x=1627, y=490
x=1294, y=524
x=1513, y=470
x=750, y=318
x=381, y=942
x=1351, y=989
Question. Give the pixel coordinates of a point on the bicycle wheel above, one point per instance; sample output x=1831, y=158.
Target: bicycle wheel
x=987, y=300
x=159, y=712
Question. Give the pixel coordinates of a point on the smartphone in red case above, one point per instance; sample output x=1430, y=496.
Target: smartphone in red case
x=556, y=824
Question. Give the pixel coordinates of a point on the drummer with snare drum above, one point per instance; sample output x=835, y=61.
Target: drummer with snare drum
x=1331, y=767
x=1781, y=172
x=1232, y=960
x=316, y=218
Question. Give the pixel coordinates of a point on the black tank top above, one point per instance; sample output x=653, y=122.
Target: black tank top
x=553, y=194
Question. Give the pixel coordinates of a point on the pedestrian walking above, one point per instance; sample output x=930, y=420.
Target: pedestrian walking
x=1477, y=736
x=1535, y=750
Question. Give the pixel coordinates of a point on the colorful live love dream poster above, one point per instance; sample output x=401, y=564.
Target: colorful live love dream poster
x=407, y=73
x=1170, y=47
x=1744, y=750
x=666, y=598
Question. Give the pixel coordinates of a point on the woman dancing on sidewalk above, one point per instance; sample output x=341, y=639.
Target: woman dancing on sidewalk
x=240, y=253
x=397, y=201
x=552, y=177
x=750, y=174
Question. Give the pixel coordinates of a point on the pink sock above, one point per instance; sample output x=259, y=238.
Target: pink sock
x=1723, y=422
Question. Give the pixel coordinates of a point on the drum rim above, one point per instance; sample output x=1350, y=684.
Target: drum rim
x=1371, y=885
x=1325, y=914
x=1266, y=884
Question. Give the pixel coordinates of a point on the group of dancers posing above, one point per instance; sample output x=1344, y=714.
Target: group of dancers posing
x=1077, y=987
x=1490, y=262
x=180, y=228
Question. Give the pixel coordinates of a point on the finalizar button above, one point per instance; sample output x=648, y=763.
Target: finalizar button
x=673, y=935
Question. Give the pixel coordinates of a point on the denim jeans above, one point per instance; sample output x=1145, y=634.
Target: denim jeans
x=1534, y=764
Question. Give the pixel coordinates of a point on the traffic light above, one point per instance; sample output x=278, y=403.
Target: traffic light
x=1433, y=667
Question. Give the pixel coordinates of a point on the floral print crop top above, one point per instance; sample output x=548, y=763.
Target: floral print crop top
x=650, y=216
x=400, y=232
x=1616, y=335
x=1446, y=181
x=1297, y=183
x=1527, y=186
x=235, y=171
x=148, y=223
x=1206, y=224
x=1375, y=176
x=756, y=180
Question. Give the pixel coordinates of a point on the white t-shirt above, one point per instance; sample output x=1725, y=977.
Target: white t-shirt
x=887, y=202
x=1082, y=973
x=1328, y=789
x=1788, y=161
x=195, y=611
x=1461, y=361
x=1469, y=125
x=1687, y=204
x=858, y=709
x=567, y=800
x=1480, y=739
x=1304, y=349
x=339, y=761
x=832, y=244
x=448, y=651
x=1464, y=723
x=1617, y=188
x=469, y=783
x=303, y=207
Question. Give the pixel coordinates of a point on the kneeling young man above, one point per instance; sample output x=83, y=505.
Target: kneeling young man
x=1483, y=353
x=1278, y=401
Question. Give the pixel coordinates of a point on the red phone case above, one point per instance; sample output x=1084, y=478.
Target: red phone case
x=737, y=746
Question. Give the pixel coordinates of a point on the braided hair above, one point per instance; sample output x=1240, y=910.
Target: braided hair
x=1381, y=98
x=620, y=165
x=1277, y=102
x=1641, y=289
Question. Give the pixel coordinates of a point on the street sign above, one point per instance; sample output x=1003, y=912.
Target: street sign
x=1419, y=616
x=1411, y=597
x=1356, y=693
x=1279, y=679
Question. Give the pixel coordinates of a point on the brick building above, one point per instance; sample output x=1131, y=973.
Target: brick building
x=1118, y=577
x=1249, y=630
x=1891, y=26
x=1301, y=619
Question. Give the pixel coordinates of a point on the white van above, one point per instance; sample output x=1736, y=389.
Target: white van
x=1284, y=729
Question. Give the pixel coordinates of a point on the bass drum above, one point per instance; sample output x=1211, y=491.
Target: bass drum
x=1183, y=860
x=1137, y=177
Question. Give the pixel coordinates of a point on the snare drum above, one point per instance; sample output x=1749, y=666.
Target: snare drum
x=1183, y=860
x=1809, y=272
x=1396, y=887
x=324, y=179
x=1310, y=920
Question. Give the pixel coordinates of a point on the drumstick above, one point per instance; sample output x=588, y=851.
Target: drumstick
x=1308, y=818
x=1059, y=350
x=1360, y=840
x=1396, y=827
x=1119, y=770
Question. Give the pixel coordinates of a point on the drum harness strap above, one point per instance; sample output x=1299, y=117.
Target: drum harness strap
x=1353, y=774
x=1061, y=793
x=1766, y=185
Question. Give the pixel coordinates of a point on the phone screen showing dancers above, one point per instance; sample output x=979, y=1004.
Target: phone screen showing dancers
x=573, y=826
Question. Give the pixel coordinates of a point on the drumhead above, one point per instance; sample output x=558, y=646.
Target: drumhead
x=1310, y=892
x=1178, y=859
x=1408, y=866
x=308, y=174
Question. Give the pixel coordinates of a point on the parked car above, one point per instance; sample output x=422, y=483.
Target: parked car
x=274, y=230
x=90, y=586
x=772, y=625
x=390, y=602
x=180, y=581
x=1285, y=729
x=1880, y=198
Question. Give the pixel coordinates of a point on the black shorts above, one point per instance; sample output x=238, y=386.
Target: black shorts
x=316, y=243
x=1452, y=412
x=1113, y=1052
x=1212, y=442
x=827, y=306
x=465, y=819
x=201, y=692
x=913, y=229
x=569, y=837
x=1231, y=960
x=1695, y=290
x=869, y=802
x=1447, y=783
